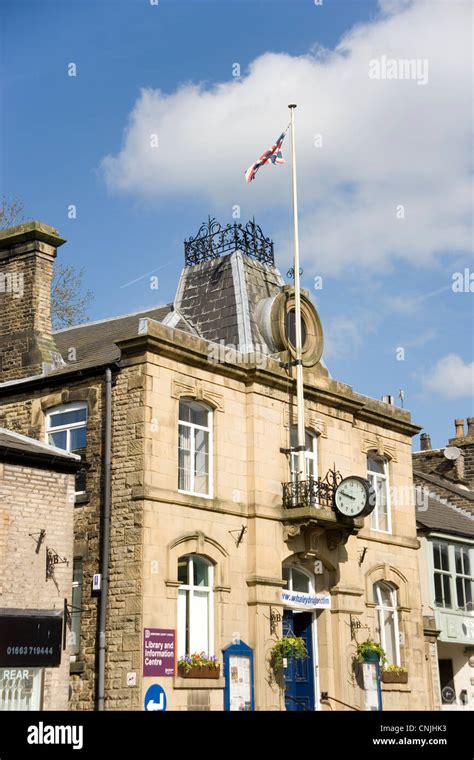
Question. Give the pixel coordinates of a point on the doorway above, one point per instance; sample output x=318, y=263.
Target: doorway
x=300, y=674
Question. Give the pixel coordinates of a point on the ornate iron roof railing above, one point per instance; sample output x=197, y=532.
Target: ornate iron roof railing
x=314, y=492
x=213, y=240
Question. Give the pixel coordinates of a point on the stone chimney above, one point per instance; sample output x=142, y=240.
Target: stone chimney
x=425, y=442
x=27, y=253
x=465, y=441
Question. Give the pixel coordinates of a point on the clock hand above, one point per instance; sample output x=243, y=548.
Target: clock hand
x=348, y=495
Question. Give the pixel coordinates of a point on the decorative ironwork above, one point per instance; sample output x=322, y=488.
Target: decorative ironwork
x=314, y=492
x=213, y=241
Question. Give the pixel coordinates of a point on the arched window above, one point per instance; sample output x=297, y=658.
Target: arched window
x=297, y=580
x=66, y=426
x=385, y=596
x=377, y=472
x=311, y=454
x=195, y=448
x=195, y=605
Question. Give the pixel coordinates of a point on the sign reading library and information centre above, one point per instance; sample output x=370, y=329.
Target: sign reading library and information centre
x=159, y=652
x=302, y=601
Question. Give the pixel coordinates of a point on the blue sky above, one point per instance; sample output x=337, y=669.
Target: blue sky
x=387, y=279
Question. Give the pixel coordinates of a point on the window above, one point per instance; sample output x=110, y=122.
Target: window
x=291, y=328
x=377, y=472
x=463, y=577
x=311, y=454
x=66, y=427
x=195, y=605
x=75, y=638
x=387, y=621
x=442, y=575
x=195, y=448
x=297, y=580
x=452, y=574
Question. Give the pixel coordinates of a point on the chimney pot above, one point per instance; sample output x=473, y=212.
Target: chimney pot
x=459, y=428
x=470, y=426
x=425, y=442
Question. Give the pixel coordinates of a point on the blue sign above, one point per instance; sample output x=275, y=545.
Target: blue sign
x=238, y=674
x=155, y=699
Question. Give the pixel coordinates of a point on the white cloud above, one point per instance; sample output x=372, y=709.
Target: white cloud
x=386, y=143
x=451, y=378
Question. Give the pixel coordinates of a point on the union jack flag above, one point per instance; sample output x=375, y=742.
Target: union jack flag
x=273, y=156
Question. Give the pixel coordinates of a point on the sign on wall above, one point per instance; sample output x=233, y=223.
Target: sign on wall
x=20, y=688
x=303, y=601
x=239, y=677
x=30, y=638
x=159, y=652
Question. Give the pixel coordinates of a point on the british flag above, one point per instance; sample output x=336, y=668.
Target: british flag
x=272, y=156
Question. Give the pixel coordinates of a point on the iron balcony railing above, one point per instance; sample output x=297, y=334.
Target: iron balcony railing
x=313, y=492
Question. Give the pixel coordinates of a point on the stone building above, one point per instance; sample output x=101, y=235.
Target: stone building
x=213, y=539
x=36, y=543
x=445, y=480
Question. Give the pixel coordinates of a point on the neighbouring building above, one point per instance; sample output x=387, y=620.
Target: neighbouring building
x=215, y=546
x=37, y=491
x=445, y=482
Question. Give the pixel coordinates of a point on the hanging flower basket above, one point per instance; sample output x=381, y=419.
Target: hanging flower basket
x=198, y=665
x=370, y=651
x=394, y=674
x=287, y=648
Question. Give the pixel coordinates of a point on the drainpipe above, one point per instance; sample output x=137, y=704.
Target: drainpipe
x=104, y=561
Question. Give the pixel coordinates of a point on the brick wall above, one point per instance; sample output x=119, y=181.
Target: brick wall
x=32, y=500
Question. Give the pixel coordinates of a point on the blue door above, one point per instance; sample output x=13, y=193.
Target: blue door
x=299, y=675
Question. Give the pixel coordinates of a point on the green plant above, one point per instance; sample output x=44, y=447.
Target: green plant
x=197, y=660
x=393, y=669
x=288, y=647
x=370, y=646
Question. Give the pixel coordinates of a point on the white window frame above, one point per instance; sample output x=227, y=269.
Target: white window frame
x=384, y=478
x=381, y=608
x=452, y=574
x=74, y=407
x=311, y=455
x=464, y=577
x=209, y=430
x=190, y=589
x=304, y=572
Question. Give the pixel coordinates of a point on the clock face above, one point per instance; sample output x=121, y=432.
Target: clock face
x=354, y=497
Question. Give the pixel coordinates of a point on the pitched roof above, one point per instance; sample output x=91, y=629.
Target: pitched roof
x=445, y=489
x=93, y=343
x=21, y=448
x=444, y=517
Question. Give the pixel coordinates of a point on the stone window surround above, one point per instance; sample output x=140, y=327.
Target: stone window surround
x=41, y=406
x=394, y=578
x=206, y=547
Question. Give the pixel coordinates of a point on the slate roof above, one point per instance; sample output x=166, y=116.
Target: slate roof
x=445, y=489
x=24, y=449
x=443, y=517
x=94, y=342
x=219, y=298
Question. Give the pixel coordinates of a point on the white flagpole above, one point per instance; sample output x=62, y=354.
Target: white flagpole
x=298, y=348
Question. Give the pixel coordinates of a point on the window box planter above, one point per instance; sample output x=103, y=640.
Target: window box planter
x=394, y=676
x=199, y=672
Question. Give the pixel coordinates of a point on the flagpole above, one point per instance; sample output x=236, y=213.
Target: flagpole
x=298, y=347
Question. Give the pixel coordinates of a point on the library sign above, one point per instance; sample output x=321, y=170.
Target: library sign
x=300, y=600
x=159, y=652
